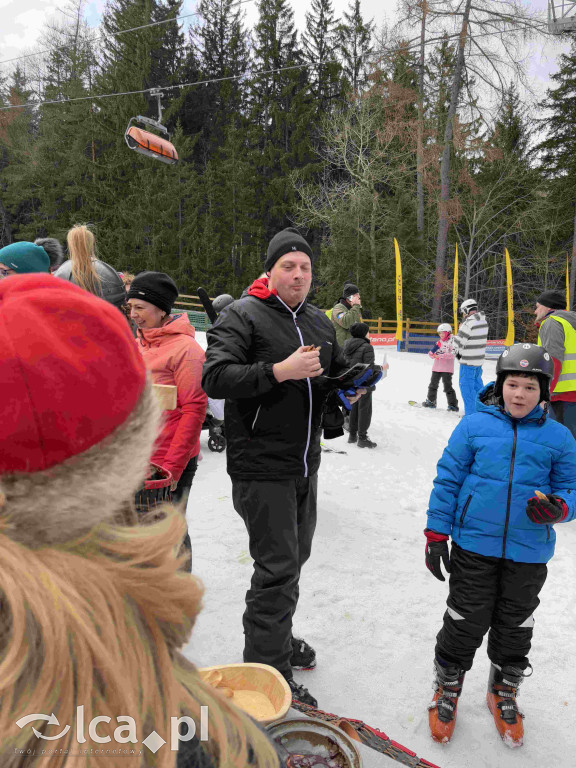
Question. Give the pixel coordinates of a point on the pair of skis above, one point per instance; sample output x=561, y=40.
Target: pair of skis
x=207, y=304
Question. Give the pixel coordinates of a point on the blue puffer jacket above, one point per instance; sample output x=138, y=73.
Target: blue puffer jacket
x=488, y=471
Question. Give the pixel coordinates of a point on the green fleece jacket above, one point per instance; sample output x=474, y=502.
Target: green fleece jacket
x=343, y=317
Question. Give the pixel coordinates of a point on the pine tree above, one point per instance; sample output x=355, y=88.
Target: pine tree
x=223, y=45
x=356, y=45
x=320, y=46
x=558, y=151
x=280, y=112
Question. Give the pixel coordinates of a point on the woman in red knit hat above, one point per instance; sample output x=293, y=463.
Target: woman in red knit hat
x=93, y=611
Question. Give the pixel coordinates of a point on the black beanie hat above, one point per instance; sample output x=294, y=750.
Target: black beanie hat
x=157, y=288
x=552, y=300
x=350, y=290
x=284, y=242
x=359, y=330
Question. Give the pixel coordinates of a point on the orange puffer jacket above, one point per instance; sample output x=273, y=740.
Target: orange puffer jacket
x=173, y=356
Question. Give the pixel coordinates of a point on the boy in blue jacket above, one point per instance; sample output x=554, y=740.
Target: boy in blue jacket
x=507, y=475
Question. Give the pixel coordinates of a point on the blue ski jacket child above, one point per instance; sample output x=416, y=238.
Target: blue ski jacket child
x=491, y=466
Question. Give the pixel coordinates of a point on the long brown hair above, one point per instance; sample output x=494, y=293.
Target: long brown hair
x=97, y=623
x=82, y=250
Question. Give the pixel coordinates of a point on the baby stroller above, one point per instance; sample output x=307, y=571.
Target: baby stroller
x=214, y=423
x=216, y=436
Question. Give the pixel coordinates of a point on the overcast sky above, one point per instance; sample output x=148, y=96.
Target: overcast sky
x=22, y=22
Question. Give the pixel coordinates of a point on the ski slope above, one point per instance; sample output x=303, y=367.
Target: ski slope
x=369, y=606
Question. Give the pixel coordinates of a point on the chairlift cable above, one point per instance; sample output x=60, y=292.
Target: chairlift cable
x=156, y=88
x=219, y=79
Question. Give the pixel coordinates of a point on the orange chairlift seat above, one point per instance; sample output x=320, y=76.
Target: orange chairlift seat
x=150, y=144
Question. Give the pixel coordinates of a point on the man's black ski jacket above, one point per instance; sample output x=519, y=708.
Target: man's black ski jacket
x=272, y=430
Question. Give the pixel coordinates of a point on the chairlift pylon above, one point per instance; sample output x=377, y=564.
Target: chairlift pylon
x=148, y=143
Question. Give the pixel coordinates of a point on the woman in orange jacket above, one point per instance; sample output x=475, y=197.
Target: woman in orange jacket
x=172, y=356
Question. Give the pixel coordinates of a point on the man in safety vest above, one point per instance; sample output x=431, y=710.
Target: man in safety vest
x=557, y=334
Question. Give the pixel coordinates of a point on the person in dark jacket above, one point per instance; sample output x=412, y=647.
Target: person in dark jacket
x=90, y=273
x=359, y=350
x=346, y=312
x=502, y=534
x=266, y=354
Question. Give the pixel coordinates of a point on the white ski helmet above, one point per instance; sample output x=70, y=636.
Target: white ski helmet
x=444, y=328
x=468, y=305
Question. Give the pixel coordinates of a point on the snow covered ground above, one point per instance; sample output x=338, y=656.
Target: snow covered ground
x=367, y=603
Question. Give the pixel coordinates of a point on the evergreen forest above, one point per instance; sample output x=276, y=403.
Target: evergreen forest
x=354, y=131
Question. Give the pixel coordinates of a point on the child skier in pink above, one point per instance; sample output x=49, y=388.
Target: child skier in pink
x=443, y=354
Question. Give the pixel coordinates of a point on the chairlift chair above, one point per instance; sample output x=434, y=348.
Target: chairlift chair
x=148, y=143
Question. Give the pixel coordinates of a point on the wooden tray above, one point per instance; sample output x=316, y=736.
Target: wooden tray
x=258, y=689
x=167, y=395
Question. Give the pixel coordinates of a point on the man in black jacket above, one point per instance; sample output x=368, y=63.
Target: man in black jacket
x=265, y=354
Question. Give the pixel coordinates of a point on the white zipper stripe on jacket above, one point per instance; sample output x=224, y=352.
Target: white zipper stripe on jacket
x=308, y=381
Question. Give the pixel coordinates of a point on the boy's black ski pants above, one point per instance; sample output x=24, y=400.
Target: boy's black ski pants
x=280, y=516
x=489, y=593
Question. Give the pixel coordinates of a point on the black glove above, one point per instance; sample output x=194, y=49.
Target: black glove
x=546, y=511
x=436, y=550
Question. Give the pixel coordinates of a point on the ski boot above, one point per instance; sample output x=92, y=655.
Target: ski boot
x=442, y=710
x=352, y=437
x=428, y=404
x=503, y=685
x=365, y=442
x=453, y=408
x=303, y=655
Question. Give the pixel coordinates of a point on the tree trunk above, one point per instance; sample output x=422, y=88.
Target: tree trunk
x=420, y=140
x=444, y=218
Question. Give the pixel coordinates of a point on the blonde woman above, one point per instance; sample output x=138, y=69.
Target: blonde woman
x=93, y=610
x=85, y=270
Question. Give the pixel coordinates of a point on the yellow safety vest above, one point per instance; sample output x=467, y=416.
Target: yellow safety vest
x=328, y=313
x=567, y=379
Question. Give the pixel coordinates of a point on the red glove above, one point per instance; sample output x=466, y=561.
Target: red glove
x=546, y=511
x=436, y=550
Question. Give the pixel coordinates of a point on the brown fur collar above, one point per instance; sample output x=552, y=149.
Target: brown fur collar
x=65, y=502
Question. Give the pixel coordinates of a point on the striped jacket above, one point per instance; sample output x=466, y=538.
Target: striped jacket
x=470, y=341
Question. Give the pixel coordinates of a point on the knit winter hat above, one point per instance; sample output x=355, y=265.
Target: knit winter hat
x=284, y=242
x=157, y=288
x=25, y=257
x=350, y=290
x=71, y=373
x=550, y=299
x=359, y=330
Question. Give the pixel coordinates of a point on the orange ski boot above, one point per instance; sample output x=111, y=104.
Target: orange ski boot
x=503, y=685
x=442, y=710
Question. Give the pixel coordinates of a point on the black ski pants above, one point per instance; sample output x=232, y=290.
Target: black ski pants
x=489, y=594
x=448, y=388
x=280, y=516
x=180, y=496
x=361, y=415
